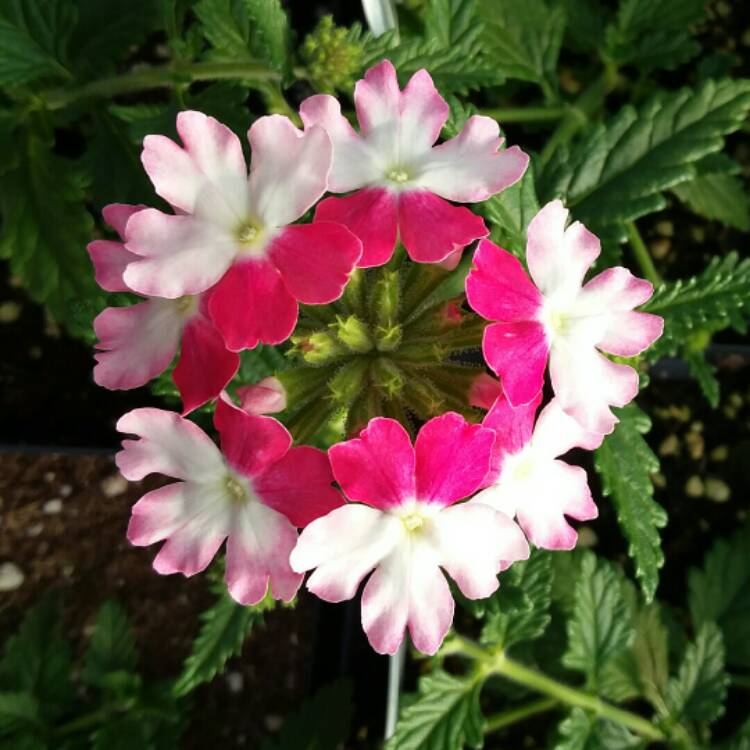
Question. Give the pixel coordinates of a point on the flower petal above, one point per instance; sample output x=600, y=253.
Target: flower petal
x=558, y=490
x=517, y=352
x=354, y=163
x=267, y=396
x=249, y=442
x=587, y=384
x=289, y=169
x=299, y=485
x=179, y=254
x=110, y=260
x=251, y=304
x=494, y=540
x=484, y=391
x=377, y=467
x=453, y=457
x=212, y=156
x=470, y=167
x=157, y=515
x=557, y=432
x=169, y=444
x=498, y=288
x=205, y=365
x=558, y=258
x=343, y=547
x=117, y=215
x=372, y=215
x=260, y=542
x=431, y=229
x=137, y=343
x=315, y=260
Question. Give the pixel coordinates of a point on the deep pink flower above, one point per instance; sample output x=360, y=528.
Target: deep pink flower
x=403, y=181
x=253, y=493
x=559, y=318
x=234, y=231
x=267, y=396
x=402, y=522
x=138, y=342
x=528, y=481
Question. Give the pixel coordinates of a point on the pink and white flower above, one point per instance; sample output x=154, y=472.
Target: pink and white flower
x=253, y=493
x=267, y=396
x=403, y=181
x=403, y=523
x=233, y=233
x=558, y=317
x=528, y=481
x=138, y=342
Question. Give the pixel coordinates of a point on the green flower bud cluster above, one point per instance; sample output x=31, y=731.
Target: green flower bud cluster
x=391, y=346
x=332, y=58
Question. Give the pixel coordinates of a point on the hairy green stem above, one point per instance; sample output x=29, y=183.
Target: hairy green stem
x=514, y=715
x=158, y=77
x=525, y=114
x=642, y=254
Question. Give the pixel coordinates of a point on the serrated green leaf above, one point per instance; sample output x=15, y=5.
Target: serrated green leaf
x=625, y=463
x=445, y=716
x=586, y=21
x=270, y=35
x=510, y=620
x=720, y=592
x=259, y=363
x=523, y=39
x=583, y=731
x=704, y=372
x=37, y=659
x=18, y=711
x=720, y=197
x=740, y=741
x=34, y=36
x=226, y=26
x=699, y=690
x=600, y=626
x=509, y=213
x=225, y=625
x=715, y=299
x=45, y=230
x=617, y=172
x=112, y=646
x=451, y=21
x=321, y=723
x=124, y=733
x=653, y=34
x=652, y=655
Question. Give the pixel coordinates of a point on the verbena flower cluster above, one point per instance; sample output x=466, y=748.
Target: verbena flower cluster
x=227, y=269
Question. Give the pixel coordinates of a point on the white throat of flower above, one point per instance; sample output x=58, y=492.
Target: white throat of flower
x=236, y=489
x=252, y=238
x=415, y=516
x=399, y=177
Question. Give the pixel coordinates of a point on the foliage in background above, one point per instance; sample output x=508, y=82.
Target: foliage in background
x=81, y=83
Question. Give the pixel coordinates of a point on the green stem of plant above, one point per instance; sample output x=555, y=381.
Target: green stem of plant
x=525, y=114
x=87, y=721
x=642, y=254
x=514, y=715
x=158, y=77
x=571, y=696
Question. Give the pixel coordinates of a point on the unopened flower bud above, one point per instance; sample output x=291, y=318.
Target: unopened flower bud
x=267, y=396
x=353, y=333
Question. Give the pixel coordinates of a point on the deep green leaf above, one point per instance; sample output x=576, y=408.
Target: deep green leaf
x=600, y=626
x=625, y=464
x=225, y=625
x=269, y=35
x=587, y=20
x=514, y=619
x=321, y=723
x=259, y=363
x=704, y=372
x=226, y=26
x=720, y=592
x=523, y=39
x=583, y=731
x=652, y=34
x=717, y=196
x=617, y=172
x=652, y=654
x=715, y=299
x=445, y=716
x=126, y=733
x=112, y=646
x=37, y=659
x=18, y=711
x=451, y=21
x=740, y=741
x=34, y=36
x=699, y=690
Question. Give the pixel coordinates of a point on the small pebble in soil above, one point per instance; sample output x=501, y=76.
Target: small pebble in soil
x=670, y=446
x=11, y=577
x=695, y=445
x=717, y=490
x=9, y=312
x=35, y=529
x=660, y=248
x=52, y=507
x=273, y=722
x=659, y=480
x=587, y=537
x=49, y=476
x=114, y=485
x=665, y=228
x=235, y=682
x=694, y=486
x=66, y=490
x=68, y=570
x=719, y=453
